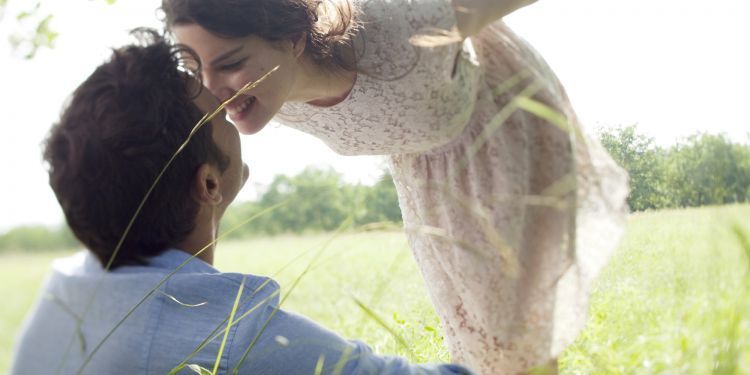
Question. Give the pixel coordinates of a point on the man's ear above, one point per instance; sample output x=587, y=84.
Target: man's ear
x=207, y=185
x=298, y=45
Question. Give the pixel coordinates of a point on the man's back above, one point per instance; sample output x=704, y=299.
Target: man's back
x=182, y=322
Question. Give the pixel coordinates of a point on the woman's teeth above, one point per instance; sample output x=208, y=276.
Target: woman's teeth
x=240, y=107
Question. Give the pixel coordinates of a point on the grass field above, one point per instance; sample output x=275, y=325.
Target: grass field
x=674, y=299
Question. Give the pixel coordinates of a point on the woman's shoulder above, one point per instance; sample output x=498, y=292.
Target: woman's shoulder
x=383, y=43
x=417, y=14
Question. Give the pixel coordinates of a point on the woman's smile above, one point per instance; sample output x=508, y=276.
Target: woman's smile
x=240, y=107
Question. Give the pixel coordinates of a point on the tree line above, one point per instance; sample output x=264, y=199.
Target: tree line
x=703, y=169
x=314, y=200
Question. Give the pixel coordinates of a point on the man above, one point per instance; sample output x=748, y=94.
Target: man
x=157, y=305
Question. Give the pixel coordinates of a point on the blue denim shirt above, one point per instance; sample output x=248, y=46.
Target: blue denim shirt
x=182, y=322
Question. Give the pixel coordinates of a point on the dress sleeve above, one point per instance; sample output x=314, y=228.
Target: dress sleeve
x=292, y=344
x=411, y=98
x=426, y=14
x=385, y=46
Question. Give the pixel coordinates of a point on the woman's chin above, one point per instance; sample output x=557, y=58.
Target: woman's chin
x=248, y=127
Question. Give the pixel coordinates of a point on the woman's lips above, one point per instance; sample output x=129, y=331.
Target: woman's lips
x=238, y=111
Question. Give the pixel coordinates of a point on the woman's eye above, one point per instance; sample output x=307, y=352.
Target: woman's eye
x=232, y=66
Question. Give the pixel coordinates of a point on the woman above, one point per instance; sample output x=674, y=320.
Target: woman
x=502, y=196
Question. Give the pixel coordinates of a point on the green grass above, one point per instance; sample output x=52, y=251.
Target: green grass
x=674, y=299
x=375, y=268
x=22, y=276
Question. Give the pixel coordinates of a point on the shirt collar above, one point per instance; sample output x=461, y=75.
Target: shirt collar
x=173, y=258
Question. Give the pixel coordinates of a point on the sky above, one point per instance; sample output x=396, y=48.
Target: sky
x=674, y=67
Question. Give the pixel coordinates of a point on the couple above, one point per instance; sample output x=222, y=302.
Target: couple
x=507, y=205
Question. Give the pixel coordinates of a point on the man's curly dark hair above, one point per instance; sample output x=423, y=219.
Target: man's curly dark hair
x=121, y=126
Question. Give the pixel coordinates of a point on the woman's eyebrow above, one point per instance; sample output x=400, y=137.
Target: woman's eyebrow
x=225, y=56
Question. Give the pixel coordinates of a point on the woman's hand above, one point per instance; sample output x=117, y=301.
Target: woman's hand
x=473, y=15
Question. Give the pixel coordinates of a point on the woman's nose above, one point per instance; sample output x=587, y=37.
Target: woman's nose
x=211, y=83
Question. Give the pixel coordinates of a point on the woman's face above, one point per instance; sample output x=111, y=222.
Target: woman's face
x=227, y=65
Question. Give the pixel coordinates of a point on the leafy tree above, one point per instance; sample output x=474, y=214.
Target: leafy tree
x=707, y=169
x=743, y=154
x=643, y=160
x=381, y=202
x=702, y=169
x=314, y=201
x=238, y=214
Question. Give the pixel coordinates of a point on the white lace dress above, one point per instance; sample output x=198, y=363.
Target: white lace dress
x=510, y=209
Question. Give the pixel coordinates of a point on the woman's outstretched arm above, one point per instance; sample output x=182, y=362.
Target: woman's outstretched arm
x=473, y=15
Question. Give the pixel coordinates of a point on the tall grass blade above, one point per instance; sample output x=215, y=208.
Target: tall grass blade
x=369, y=312
x=727, y=360
x=342, y=361
x=214, y=335
x=229, y=324
x=199, y=370
x=382, y=286
x=345, y=224
x=497, y=121
x=173, y=298
x=544, y=111
x=303, y=254
x=744, y=242
x=73, y=315
x=319, y=365
x=512, y=82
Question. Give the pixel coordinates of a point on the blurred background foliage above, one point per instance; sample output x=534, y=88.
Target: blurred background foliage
x=701, y=170
x=32, y=26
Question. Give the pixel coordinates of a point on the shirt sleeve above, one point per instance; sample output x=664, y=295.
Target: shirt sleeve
x=286, y=343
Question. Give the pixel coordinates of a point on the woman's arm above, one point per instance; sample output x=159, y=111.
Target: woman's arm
x=473, y=15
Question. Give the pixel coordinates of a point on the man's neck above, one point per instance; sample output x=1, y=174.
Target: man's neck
x=206, y=255
x=200, y=242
